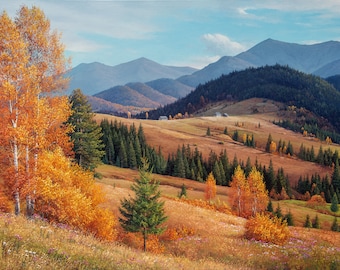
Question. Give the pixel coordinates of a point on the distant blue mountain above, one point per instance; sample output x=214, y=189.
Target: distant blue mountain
x=157, y=84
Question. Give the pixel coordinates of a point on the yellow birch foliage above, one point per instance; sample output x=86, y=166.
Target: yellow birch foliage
x=248, y=196
x=210, y=187
x=262, y=227
x=258, y=199
x=238, y=191
x=32, y=65
x=69, y=195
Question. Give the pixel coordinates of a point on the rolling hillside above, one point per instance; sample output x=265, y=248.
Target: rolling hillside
x=278, y=83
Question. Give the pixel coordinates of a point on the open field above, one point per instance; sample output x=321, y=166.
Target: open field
x=216, y=241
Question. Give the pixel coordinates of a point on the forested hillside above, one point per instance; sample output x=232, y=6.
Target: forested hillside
x=278, y=83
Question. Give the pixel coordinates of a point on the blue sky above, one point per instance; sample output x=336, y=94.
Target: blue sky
x=182, y=32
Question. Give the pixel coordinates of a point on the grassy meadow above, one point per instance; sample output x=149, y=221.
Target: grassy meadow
x=198, y=236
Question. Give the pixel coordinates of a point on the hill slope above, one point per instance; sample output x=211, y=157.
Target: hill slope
x=277, y=83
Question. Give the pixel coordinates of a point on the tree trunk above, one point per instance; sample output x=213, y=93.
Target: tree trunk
x=144, y=234
x=17, y=202
x=16, y=175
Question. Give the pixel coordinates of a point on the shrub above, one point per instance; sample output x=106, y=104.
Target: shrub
x=135, y=240
x=177, y=232
x=316, y=201
x=262, y=227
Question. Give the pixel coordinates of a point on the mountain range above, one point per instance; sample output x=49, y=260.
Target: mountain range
x=152, y=84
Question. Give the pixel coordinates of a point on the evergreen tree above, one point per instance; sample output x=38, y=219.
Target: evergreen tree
x=270, y=177
x=278, y=211
x=270, y=207
x=208, y=132
x=269, y=141
x=335, y=226
x=132, y=156
x=179, y=168
x=144, y=213
x=235, y=135
x=289, y=218
x=290, y=150
x=308, y=223
x=217, y=173
x=336, y=176
x=123, y=157
x=335, y=203
x=86, y=137
x=183, y=192
x=316, y=222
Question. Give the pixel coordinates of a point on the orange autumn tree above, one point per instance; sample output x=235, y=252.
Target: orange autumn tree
x=258, y=195
x=32, y=67
x=46, y=55
x=238, y=191
x=210, y=187
x=15, y=79
x=67, y=194
x=248, y=196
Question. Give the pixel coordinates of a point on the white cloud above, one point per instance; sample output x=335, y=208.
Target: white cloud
x=222, y=45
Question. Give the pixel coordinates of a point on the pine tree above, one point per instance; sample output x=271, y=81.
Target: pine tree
x=270, y=207
x=289, y=218
x=208, y=131
x=278, y=211
x=183, y=192
x=86, y=137
x=144, y=213
x=179, y=168
x=132, y=156
x=335, y=226
x=316, y=223
x=336, y=176
x=335, y=203
x=269, y=141
x=308, y=223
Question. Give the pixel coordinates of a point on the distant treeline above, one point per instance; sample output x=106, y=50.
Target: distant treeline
x=278, y=83
x=311, y=128
x=124, y=147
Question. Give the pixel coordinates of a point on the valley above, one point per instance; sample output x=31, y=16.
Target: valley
x=169, y=135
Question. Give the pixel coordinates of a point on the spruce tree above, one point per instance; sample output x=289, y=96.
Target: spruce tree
x=335, y=203
x=143, y=213
x=289, y=219
x=336, y=176
x=308, y=223
x=278, y=211
x=316, y=222
x=270, y=207
x=86, y=137
x=183, y=192
x=335, y=226
x=269, y=141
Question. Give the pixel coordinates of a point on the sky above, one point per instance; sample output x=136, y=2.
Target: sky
x=181, y=32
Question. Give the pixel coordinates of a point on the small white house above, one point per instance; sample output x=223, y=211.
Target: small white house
x=218, y=114
x=162, y=117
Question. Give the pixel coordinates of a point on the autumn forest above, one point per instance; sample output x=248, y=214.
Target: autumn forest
x=86, y=191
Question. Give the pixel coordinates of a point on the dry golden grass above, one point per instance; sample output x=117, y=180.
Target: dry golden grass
x=170, y=134
x=217, y=243
x=220, y=238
